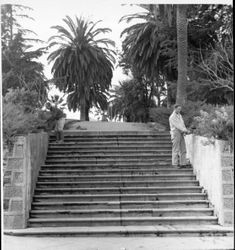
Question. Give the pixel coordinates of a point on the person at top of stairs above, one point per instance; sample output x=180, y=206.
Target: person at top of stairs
x=57, y=121
x=178, y=130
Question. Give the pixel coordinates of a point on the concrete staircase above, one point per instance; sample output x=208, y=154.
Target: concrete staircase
x=118, y=183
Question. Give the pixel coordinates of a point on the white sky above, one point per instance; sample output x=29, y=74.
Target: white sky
x=51, y=12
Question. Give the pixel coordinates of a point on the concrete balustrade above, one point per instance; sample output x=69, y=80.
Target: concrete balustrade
x=20, y=176
x=213, y=166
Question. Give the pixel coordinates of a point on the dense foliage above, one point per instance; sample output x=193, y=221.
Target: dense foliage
x=20, y=66
x=132, y=100
x=21, y=114
x=150, y=49
x=217, y=122
x=24, y=86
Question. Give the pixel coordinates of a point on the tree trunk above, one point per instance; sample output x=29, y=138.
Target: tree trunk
x=11, y=23
x=87, y=109
x=168, y=95
x=84, y=111
x=182, y=43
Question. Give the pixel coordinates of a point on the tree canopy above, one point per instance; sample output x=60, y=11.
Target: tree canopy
x=82, y=63
x=20, y=63
x=150, y=49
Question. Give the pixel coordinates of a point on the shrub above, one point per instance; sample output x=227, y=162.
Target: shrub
x=23, y=97
x=16, y=121
x=217, y=122
x=189, y=111
x=21, y=114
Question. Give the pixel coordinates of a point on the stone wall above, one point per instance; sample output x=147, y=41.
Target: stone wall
x=227, y=164
x=213, y=166
x=19, y=178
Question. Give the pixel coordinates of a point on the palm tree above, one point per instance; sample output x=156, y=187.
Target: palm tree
x=182, y=45
x=147, y=42
x=152, y=46
x=149, y=47
x=83, y=63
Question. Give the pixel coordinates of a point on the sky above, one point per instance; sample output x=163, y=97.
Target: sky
x=48, y=13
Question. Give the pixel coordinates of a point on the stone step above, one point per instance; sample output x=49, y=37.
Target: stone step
x=119, y=190
x=94, y=171
x=149, y=142
x=118, y=197
x=108, y=161
x=141, y=156
x=98, y=184
x=114, y=138
x=88, y=205
x=108, y=151
x=58, y=147
x=117, y=177
x=126, y=221
x=124, y=231
x=111, y=143
x=121, y=213
x=113, y=133
x=110, y=165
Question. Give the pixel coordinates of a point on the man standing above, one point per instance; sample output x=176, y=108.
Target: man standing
x=178, y=130
x=56, y=121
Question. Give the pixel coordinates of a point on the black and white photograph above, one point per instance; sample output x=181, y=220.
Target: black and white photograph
x=117, y=125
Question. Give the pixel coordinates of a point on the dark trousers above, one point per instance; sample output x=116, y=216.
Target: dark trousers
x=59, y=135
x=178, y=148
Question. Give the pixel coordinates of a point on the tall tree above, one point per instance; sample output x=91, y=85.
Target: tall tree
x=20, y=66
x=83, y=63
x=182, y=52
x=148, y=44
x=10, y=13
x=149, y=47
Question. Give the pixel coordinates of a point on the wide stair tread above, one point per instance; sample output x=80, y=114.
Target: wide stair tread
x=120, y=210
x=117, y=190
x=195, y=218
x=120, y=203
x=134, y=231
x=126, y=183
x=116, y=170
x=116, y=204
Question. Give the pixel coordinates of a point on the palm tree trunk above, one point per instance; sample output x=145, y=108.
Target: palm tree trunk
x=182, y=43
x=84, y=111
x=87, y=111
x=168, y=95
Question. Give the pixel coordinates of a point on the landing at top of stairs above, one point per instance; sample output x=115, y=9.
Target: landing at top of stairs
x=111, y=126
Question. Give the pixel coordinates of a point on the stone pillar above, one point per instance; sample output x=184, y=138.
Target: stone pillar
x=14, y=183
x=227, y=167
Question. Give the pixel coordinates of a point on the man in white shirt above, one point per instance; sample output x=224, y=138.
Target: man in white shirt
x=178, y=130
